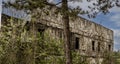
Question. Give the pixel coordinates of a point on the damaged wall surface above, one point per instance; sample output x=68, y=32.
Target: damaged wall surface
x=88, y=38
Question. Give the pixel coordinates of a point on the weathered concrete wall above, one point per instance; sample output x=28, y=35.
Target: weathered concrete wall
x=81, y=28
x=87, y=31
x=79, y=25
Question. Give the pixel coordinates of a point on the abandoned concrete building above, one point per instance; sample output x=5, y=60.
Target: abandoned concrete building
x=87, y=37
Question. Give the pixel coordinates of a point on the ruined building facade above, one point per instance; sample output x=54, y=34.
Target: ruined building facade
x=87, y=37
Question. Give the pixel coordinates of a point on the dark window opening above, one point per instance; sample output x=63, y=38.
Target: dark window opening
x=56, y=32
x=98, y=46
x=41, y=32
x=27, y=26
x=60, y=34
x=76, y=43
x=109, y=47
x=93, y=45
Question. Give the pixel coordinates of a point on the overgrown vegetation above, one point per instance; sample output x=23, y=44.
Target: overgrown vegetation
x=111, y=58
x=116, y=57
x=19, y=46
x=26, y=46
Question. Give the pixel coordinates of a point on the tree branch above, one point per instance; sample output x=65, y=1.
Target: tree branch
x=58, y=3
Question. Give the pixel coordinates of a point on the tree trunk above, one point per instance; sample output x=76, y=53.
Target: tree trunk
x=65, y=18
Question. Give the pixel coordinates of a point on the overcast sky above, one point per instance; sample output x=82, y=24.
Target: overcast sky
x=111, y=20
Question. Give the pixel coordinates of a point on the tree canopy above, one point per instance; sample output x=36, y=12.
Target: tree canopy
x=96, y=6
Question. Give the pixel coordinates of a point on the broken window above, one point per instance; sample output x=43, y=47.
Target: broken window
x=41, y=33
x=76, y=43
x=27, y=26
x=109, y=47
x=98, y=46
x=60, y=34
x=93, y=45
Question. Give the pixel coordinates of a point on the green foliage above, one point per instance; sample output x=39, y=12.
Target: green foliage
x=28, y=4
x=116, y=57
x=13, y=42
x=97, y=7
x=107, y=57
x=19, y=46
x=78, y=59
x=49, y=51
x=111, y=58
